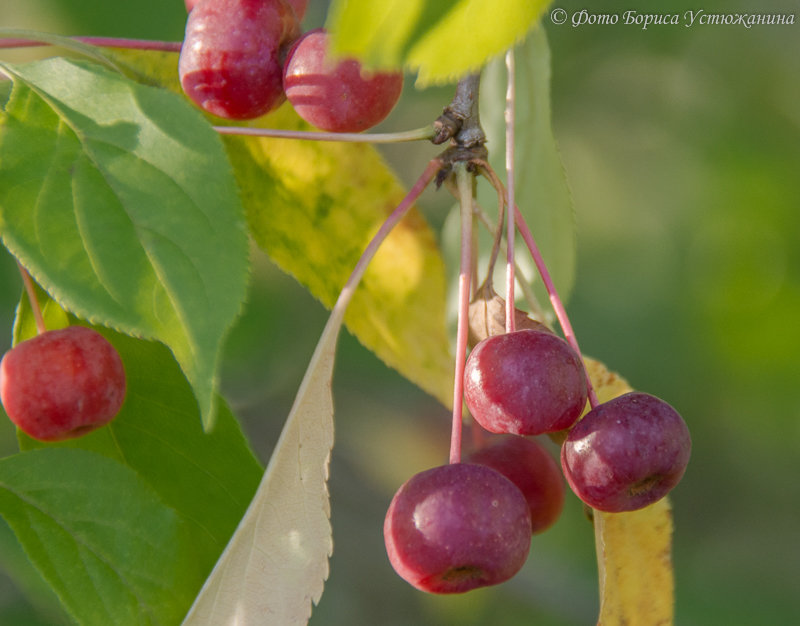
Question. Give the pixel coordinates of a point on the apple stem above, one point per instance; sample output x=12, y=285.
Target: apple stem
x=464, y=184
x=417, y=134
x=434, y=165
x=524, y=283
x=509, y=119
x=29, y=39
x=31, y=291
x=555, y=299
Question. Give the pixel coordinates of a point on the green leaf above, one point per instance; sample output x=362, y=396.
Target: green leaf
x=312, y=206
x=31, y=587
x=113, y=552
x=542, y=192
x=119, y=200
x=441, y=40
x=208, y=478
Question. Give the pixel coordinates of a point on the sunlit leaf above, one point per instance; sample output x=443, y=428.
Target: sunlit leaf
x=634, y=550
x=441, y=40
x=635, y=556
x=119, y=200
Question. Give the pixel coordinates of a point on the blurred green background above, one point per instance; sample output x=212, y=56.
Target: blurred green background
x=682, y=148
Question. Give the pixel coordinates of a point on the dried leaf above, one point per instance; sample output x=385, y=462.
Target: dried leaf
x=277, y=560
x=634, y=550
x=487, y=317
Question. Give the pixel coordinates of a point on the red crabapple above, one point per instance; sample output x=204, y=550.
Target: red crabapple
x=299, y=6
x=231, y=61
x=457, y=527
x=62, y=384
x=526, y=383
x=626, y=453
x=527, y=464
x=336, y=96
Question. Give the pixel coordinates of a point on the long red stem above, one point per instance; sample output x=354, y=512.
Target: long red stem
x=464, y=180
x=103, y=42
x=555, y=300
x=509, y=119
x=434, y=165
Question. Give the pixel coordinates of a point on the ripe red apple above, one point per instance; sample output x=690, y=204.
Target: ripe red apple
x=527, y=464
x=457, y=527
x=336, y=95
x=62, y=384
x=626, y=453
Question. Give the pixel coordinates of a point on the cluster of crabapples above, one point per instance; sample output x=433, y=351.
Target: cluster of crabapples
x=241, y=59
x=468, y=524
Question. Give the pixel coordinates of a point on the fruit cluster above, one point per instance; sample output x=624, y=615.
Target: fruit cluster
x=241, y=59
x=466, y=525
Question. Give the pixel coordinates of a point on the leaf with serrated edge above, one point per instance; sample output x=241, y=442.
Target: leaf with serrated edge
x=634, y=549
x=441, y=40
x=277, y=560
x=120, y=201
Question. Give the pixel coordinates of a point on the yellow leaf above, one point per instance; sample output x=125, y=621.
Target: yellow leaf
x=634, y=550
x=441, y=40
x=313, y=206
x=634, y=555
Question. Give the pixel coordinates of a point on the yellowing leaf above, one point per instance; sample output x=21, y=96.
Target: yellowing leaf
x=441, y=40
x=313, y=206
x=634, y=553
x=634, y=550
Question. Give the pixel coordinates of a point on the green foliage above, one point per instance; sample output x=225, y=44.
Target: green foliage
x=158, y=434
x=204, y=479
x=118, y=198
x=111, y=549
x=441, y=40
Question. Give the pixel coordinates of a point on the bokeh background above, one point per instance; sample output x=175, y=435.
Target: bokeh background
x=682, y=149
